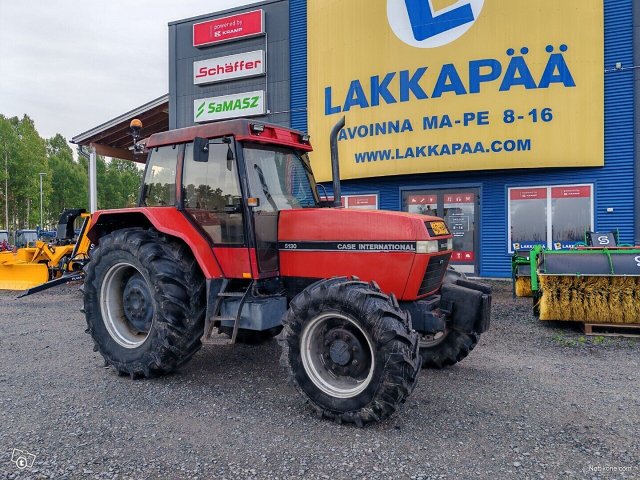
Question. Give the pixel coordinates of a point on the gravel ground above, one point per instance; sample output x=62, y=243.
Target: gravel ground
x=532, y=400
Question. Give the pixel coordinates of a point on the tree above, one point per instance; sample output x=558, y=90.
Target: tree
x=24, y=155
x=8, y=146
x=69, y=179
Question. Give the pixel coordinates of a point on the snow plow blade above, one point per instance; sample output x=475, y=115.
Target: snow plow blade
x=21, y=276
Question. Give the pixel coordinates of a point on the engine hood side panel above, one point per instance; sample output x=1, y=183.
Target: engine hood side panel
x=372, y=245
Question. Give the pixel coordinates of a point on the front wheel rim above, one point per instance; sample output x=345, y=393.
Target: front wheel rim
x=116, y=312
x=429, y=341
x=337, y=355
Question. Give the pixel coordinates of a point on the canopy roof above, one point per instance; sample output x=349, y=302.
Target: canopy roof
x=113, y=138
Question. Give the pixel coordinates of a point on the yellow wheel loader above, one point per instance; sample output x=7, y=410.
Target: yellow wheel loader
x=48, y=264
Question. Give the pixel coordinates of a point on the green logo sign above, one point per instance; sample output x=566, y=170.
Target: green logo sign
x=200, y=109
x=236, y=105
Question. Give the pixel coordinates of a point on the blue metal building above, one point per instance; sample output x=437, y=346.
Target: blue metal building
x=611, y=189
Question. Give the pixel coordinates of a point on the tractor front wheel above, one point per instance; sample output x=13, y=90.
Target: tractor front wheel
x=144, y=301
x=350, y=350
x=450, y=346
x=446, y=348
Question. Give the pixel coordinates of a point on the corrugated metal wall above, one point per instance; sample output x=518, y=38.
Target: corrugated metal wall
x=613, y=183
x=298, y=63
x=182, y=54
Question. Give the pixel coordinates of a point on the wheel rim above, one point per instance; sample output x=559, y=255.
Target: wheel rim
x=428, y=341
x=337, y=355
x=126, y=305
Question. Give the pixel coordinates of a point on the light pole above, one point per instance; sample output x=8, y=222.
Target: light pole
x=41, y=174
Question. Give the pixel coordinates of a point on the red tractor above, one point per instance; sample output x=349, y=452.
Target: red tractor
x=231, y=242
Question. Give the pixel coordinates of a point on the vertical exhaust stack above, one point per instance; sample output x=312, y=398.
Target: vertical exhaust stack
x=335, y=162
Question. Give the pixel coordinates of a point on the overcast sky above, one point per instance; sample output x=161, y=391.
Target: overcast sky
x=74, y=64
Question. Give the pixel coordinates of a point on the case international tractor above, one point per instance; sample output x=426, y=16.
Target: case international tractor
x=231, y=242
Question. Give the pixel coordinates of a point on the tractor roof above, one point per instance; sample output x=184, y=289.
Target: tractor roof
x=241, y=129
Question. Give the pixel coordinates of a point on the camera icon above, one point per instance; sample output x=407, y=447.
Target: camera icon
x=22, y=459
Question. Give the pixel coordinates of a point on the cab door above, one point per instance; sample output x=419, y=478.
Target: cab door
x=212, y=197
x=278, y=179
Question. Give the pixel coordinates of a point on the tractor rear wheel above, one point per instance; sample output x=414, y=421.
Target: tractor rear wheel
x=144, y=301
x=350, y=350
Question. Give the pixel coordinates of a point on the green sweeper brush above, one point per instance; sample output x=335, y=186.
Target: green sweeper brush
x=521, y=273
x=587, y=284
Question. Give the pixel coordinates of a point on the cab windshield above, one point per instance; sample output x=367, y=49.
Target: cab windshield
x=280, y=178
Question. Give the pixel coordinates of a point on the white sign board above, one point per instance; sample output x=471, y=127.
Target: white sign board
x=229, y=106
x=212, y=70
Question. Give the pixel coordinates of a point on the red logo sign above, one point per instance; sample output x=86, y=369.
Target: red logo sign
x=422, y=199
x=528, y=193
x=463, y=256
x=362, y=201
x=228, y=28
x=571, y=192
x=459, y=198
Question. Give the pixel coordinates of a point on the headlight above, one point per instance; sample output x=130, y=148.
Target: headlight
x=433, y=246
x=427, y=246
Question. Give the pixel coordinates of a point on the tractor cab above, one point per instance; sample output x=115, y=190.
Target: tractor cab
x=231, y=184
x=25, y=238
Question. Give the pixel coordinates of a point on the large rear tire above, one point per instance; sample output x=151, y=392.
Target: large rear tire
x=350, y=350
x=144, y=301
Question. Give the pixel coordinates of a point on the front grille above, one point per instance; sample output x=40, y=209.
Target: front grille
x=435, y=271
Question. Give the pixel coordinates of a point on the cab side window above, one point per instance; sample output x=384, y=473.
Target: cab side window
x=211, y=194
x=160, y=177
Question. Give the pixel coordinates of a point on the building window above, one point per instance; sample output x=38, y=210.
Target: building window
x=555, y=217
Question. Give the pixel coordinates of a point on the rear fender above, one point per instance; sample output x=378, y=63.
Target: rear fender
x=167, y=220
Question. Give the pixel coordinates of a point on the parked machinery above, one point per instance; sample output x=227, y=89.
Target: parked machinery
x=5, y=246
x=48, y=262
x=595, y=283
x=521, y=273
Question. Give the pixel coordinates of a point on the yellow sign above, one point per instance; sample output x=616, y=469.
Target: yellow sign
x=439, y=228
x=435, y=86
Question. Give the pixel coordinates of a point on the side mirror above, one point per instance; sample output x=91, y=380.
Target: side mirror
x=230, y=156
x=200, y=149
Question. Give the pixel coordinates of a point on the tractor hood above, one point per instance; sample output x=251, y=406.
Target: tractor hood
x=340, y=224
x=394, y=248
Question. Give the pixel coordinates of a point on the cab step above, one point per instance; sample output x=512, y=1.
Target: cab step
x=210, y=337
x=219, y=339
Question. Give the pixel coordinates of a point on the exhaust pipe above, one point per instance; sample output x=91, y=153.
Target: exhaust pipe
x=335, y=165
